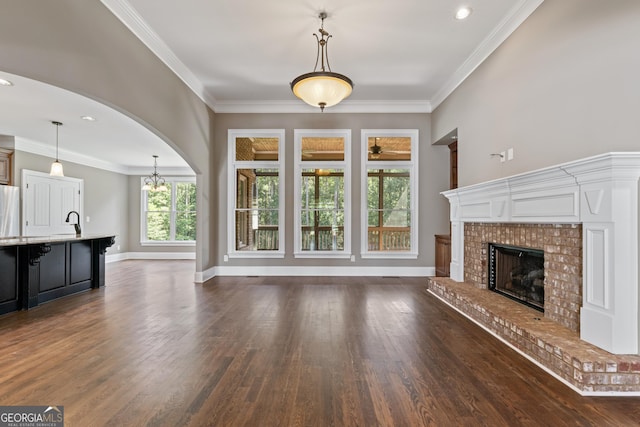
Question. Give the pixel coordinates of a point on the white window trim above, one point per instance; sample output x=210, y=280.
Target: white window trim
x=345, y=165
x=232, y=166
x=143, y=216
x=412, y=165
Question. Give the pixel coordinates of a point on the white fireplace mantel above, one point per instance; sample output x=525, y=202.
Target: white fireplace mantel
x=601, y=193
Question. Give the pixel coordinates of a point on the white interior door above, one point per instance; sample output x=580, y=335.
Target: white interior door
x=47, y=200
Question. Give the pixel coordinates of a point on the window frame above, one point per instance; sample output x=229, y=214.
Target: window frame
x=412, y=166
x=232, y=170
x=299, y=166
x=144, y=241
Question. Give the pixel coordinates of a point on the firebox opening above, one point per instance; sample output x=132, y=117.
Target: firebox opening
x=517, y=273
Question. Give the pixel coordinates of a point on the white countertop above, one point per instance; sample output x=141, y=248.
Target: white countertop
x=32, y=240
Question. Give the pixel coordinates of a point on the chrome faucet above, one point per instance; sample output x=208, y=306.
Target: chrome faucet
x=77, y=225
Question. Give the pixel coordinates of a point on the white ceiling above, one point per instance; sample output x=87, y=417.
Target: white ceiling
x=240, y=55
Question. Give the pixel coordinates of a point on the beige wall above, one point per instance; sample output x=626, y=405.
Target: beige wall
x=433, y=178
x=80, y=46
x=563, y=86
x=105, y=196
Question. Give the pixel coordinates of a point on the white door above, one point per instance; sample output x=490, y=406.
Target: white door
x=47, y=201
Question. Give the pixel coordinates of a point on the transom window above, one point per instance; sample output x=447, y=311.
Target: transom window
x=256, y=201
x=389, y=189
x=322, y=188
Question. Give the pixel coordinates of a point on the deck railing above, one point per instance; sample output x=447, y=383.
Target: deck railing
x=323, y=239
x=389, y=239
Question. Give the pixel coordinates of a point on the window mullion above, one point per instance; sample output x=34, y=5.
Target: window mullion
x=316, y=217
x=380, y=209
x=172, y=215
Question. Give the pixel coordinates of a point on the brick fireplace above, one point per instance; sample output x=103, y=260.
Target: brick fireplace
x=580, y=214
x=562, y=247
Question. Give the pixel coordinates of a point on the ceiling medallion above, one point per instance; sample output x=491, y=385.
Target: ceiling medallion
x=322, y=88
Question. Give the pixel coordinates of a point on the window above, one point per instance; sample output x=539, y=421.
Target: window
x=256, y=197
x=389, y=193
x=322, y=189
x=169, y=217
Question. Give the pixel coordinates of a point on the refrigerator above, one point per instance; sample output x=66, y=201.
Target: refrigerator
x=9, y=211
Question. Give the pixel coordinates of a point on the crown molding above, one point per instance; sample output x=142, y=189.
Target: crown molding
x=134, y=22
x=34, y=147
x=348, y=106
x=165, y=171
x=520, y=11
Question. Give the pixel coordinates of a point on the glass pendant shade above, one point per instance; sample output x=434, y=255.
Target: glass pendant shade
x=322, y=89
x=56, y=169
x=153, y=188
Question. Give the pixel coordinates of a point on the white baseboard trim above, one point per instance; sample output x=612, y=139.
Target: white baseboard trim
x=210, y=273
x=115, y=257
x=149, y=255
x=203, y=276
x=321, y=271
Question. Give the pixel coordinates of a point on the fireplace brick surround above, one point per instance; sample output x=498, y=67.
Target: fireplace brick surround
x=585, y=216
x=562, y=246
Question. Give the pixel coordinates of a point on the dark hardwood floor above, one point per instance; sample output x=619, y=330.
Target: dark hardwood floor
x=153, y=348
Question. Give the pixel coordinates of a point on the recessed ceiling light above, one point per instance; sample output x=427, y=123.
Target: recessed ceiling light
x=88, y=118
x=4, y=82
x=463, y=12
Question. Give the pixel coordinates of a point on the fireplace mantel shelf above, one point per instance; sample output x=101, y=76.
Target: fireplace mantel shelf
x=601, y=194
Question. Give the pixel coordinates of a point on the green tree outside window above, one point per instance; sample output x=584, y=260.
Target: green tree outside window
x=171, y=214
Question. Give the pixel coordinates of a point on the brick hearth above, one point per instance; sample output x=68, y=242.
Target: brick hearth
x=586, y=368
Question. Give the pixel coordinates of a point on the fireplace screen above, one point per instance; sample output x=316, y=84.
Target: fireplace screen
x=517, y=273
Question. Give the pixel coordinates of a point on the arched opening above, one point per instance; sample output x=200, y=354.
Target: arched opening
x=109, y=149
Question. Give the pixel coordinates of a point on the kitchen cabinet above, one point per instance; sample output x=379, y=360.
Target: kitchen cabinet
x=6, y=163
x=41, y=269
x=443, y=255
x=9, y=280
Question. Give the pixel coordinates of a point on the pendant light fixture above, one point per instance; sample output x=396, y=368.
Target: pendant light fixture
x=322, y=88
x=154, y=182
x=56, y=167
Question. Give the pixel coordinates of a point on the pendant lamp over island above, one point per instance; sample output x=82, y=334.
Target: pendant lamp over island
x=322, y=88
x=56, y=167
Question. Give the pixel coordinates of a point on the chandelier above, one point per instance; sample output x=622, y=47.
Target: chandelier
x=154, y=182
x=322, y=88
x=56, y=167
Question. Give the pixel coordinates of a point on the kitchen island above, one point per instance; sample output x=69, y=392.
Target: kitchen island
x=34, y=270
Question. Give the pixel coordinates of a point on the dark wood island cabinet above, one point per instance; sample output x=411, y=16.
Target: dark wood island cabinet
x=34, y=270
